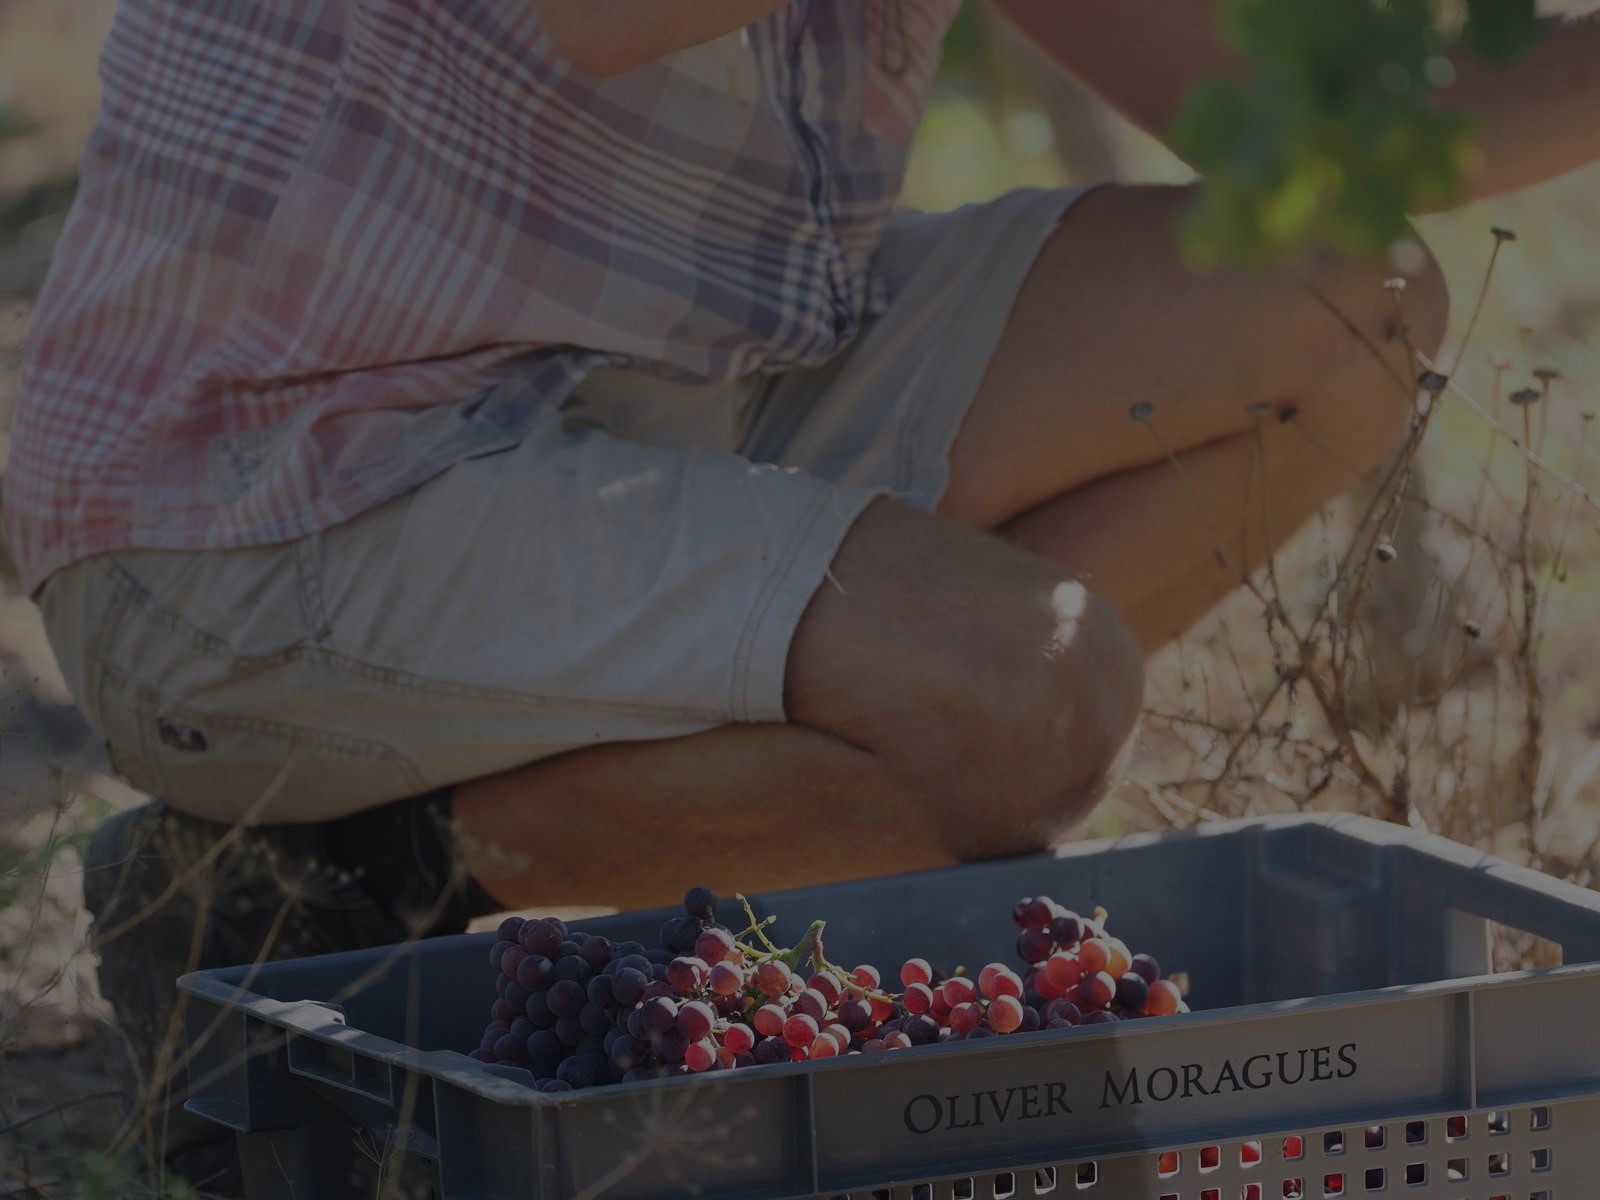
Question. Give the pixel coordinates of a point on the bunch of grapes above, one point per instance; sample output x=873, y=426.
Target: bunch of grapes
x=579, y=1010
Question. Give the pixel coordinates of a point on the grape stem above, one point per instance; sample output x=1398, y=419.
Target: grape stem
x=809, y=946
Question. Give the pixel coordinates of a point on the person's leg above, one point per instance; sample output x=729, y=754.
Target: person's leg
x=951, y=698
x=927, y=695
x=1111, y=318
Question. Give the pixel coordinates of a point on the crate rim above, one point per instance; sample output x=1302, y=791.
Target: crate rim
x=323, y=1022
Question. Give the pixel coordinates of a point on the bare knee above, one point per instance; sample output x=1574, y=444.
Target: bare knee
x=1039, y=738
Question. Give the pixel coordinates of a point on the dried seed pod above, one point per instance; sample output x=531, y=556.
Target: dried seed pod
x=1502, y=234
x=1546, y=373
x=1472, y=629
x=1141, y=411
x=1432, y=381
x=1524, y=396
x=1386, y=552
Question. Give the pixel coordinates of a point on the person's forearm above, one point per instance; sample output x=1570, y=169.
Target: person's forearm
x=608, y=37
x=1540, y=116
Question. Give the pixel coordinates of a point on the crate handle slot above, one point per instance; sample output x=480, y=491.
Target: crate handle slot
x=331, y=1063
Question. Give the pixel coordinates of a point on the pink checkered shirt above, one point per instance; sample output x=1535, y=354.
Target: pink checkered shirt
x=323, y=249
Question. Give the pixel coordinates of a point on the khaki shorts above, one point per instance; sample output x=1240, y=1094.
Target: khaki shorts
x=634, y=569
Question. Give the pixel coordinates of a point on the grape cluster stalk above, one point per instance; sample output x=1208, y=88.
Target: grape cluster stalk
x=579, y=1010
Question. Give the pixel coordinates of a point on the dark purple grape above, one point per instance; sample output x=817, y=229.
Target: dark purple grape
x=545, y=1049
x=491, y=1037
x=1030, y=1020
x=597, y=952
x=516, y=997
x=611, y=1036
x=813, y=1004
x=555, y=1085
x=633, y=962
x=503, y=1012
x=1064, y=1010
x=638, y=1074
x=982, y=1031
x=746, y=1059
x=569, y=945
x=481, y=1055
x=855, y=1013
x=594, y=1019
x=537, y=1010
x=570, y=1031
x=1067, y=930
x=500, y=985
x=1035, y=912
x=497, y=953
x=521, y=1027
x=627, y=986
x=627, y=949
x=658, y=972
x=509, y=929
x=566, y=998
x=535, y=973
x=512, y=1049
x=578, y=936
x=657, y=987
x=591, y=1044
x=635, y=1025
x=921, y=1029
x=660, y=957
x=542, y=937
x=700, y=903
x=627, y=1052
x=1145, y=967
x=577, y=1072
x=601, y=992
x=772, y=1050
x=659, y=1014
x=573, y=967
x=1100, y=1016
x=679, y=933
x=1132, y=990
x=510, y=960
x=670, y=1045
x=1034, y=945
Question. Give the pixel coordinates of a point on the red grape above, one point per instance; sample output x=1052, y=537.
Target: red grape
x=699, y=1056
x=714, y=945
x=1005, y=1014
x=811, y=1003
x=827, y=983
x=1164, y=999
x=769, y=1019
x=918, y=998
x=916, y=970
x=772, y=978
x=965, y=1017
x=958, y=989
x=695, y=1019
x=738, y=1038
x=687, y=975
x=800, y=1031
x=1098, y=989
x=726, y=979
x=867, y=976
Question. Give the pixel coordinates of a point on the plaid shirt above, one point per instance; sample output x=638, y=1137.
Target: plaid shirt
x=323, y=249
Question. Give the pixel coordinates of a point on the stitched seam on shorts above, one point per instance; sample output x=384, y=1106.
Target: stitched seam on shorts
x=400, y=681
x=739, y=685
x=300, y=735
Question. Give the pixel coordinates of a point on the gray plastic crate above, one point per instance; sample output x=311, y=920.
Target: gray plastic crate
x=1348, y=1041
